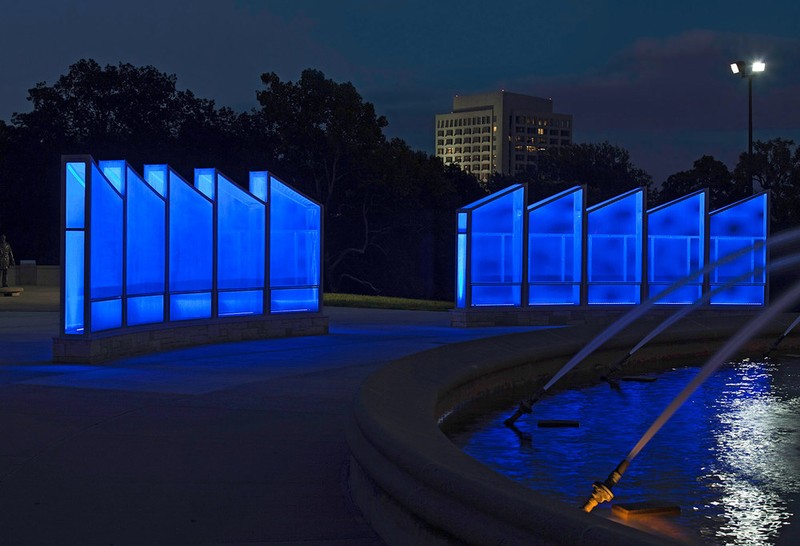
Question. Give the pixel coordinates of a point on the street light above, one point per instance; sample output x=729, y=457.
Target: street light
x=748, y=71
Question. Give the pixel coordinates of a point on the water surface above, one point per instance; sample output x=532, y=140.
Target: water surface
x=730, y=457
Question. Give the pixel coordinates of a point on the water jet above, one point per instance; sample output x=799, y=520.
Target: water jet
x=601, y=491
x=637, y=312
x=685, y=310
x=781, y=337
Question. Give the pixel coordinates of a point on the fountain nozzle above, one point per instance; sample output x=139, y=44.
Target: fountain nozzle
x=601, y=491
x=524, y=407
x=607, y=377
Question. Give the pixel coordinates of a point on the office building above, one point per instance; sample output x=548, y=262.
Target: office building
x=499, y=132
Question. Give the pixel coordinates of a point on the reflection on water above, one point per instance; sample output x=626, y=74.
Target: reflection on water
x=730, y=457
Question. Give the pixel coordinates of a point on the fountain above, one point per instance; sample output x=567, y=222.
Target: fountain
x=637, y=312
x=414, y=483
x=686, y=309
x=602, y=490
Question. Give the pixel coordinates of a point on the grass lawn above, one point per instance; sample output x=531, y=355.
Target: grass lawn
x=385, y=302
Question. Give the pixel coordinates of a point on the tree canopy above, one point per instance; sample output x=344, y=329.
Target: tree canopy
x=706, y=172
x=606, y=169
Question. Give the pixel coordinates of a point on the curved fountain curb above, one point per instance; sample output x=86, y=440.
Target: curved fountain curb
x=415, y=487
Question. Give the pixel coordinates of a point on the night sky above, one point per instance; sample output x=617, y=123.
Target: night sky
x=652, y=77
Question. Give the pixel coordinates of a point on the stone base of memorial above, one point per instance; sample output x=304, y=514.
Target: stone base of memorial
x=114, y=344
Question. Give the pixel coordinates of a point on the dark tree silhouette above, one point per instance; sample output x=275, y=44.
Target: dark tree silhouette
x=775, y=167
x=706, y=172
x=382, y=200
x=605, y=169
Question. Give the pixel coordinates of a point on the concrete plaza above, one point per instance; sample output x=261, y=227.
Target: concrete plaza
x=238, y=443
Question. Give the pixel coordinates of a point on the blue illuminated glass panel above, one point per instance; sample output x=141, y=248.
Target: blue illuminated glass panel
x=74, y=247
x=555, y=235
x=105, y=253
x=614, y=260
x=114, y=171
x=106, y=238
x=146, y=238
x=461, y=260
x=294, y=250
x=195, y=305
x=145, y=309
x=461, y=219
x=288, y=300
x=736, y=228
x=241, y=238
x=156, y=176
x=204, y=181
x=495, y=267
x=258, y=184
x=73, y=282
x=106, y=314
x=675, y=247
x=190, y=250
x=76, y=195
x=241, y=302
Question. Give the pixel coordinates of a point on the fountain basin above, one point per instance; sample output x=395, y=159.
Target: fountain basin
x=415, y=486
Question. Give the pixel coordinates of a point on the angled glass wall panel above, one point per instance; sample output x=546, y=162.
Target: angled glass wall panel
x=241, y=236
x=555, y=235
x=204, y=181
x=675, y=247
x=145, y=251
x=736, y=228
x=494, y=248
x=294, y=249
x=258, y=184
x=614, y=253
x=114, y=171
x=191, y=244
x=105, y=253
x=156, y=176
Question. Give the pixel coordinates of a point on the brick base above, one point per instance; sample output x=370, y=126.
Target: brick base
x=563, y=315
x=113, y=344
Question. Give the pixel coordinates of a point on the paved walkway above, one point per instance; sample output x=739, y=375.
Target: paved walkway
x=239, y=443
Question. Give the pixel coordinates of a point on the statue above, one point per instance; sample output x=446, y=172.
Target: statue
x=6, y=259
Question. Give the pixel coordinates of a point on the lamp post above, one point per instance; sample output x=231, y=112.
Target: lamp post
x=748, y=71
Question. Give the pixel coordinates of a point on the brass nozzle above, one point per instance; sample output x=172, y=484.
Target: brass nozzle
x=601, y=491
